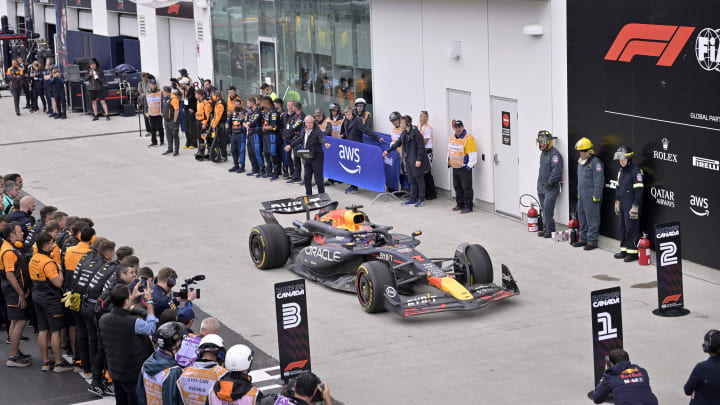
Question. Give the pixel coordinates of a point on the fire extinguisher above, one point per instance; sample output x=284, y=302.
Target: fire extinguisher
x=573, y=225
x=535, y=223
x=644, y=250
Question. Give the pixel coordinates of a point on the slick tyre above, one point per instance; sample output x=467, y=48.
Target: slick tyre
x=370, y=282
x=480, y=265
x=269, y=246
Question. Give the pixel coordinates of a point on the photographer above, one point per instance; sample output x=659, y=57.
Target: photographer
x=703, y=385
x=161, y=291
x=628, y=383
x=307, y=389
x=97, y=89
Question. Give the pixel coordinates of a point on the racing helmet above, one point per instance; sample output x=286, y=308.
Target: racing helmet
x=544, y=137
x=169, y=334
x=360, y=100
x=584, y=144
x=334, y=107
x=212, y=343
x=624, y=152
x=394, y=116
x=239, y=358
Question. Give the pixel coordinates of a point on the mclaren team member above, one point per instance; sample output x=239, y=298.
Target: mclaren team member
x=254, y=139
x=360, y=111
x=236, y=386
x=15, y=283
x=628, y=200
x=218, y=123
x=462, y=157
x=427, y=133
x=73, y=255
x=270, y=138
x=591, y=179
x=203, y=112
x=353, y=129
x=197, y=380
x=47, y=280
x=548, y=181
x=237, y=138
x=415, y=158
x=628, y=383
x=15, y=77
x=52, y=228
x=703, y=385
x=171, y=119
x=311, y=139
x=160, y=372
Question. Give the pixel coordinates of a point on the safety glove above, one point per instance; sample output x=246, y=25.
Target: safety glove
x=617, y=207
x=634, y=211
x=596, y=199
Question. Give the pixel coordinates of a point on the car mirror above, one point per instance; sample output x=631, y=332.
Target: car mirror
x=416, y=234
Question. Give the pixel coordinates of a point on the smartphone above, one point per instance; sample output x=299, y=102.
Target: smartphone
x=143, y=284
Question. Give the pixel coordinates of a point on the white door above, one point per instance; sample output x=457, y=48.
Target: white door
x=182, y=45
x=459, y=108
x=505, y=138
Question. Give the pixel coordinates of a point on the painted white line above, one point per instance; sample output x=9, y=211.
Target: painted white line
x=270, y=387
x=659, y=120
x=262, y=375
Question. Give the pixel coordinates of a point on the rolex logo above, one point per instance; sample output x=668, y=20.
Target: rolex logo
x=665, y=143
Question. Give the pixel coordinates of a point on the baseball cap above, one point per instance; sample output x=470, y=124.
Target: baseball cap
x=182, y=71
x=153, y=81
x=185, y=314
x=458, y=123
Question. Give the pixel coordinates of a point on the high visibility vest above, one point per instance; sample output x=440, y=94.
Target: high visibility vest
x=154, y=103
x=395, y=134
x=248, y=399
x=196, y=383
x=153, y=386
x=336, y=125
x=456, y=150
x=323, y=125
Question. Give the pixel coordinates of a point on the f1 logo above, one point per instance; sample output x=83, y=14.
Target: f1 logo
x=662, y=41
x=668, y=253
x=291, y=315
x=606, y=329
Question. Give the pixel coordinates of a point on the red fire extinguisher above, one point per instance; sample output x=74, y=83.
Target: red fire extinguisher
x=573, y=225
x=533, y=225
x=644, y=250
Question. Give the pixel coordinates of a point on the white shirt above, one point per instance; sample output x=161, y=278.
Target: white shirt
x=426, y=131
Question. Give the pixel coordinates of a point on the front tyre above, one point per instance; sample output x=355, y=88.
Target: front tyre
x=477, y=268
x=370, y=282
x=269, y=246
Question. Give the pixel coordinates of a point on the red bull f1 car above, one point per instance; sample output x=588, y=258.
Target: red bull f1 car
x=342, y=249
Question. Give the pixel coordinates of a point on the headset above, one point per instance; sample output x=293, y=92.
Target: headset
x=219, y=350
x=707, y=345
x=171, y=282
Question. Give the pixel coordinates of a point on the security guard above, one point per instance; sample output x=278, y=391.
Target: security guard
x=236, y=386
x=254, y=139
x=591, y=179
x=203, y=110
x=15, y=78
x=15, y=284
x=548, y=182
x=218, y=124
x=628, y=200
x=47, y=280
x=197, y=380
x=159, y=374
x=237, y=138
x=629, y=383
x=270, y=138
x=462, y=157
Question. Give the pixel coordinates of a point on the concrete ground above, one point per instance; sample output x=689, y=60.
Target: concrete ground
x=195, y=217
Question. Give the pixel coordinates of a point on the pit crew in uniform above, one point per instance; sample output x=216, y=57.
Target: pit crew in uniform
x=548, y=182
x=15, y=283
x=270, y=139
x=591, y=179
x=254, y=139
x=237, y=138
x=628, y=200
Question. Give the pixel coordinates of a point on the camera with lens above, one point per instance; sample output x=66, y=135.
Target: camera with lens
x=182, y=293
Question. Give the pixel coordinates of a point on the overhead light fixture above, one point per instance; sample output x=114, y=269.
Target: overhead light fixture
x=535, y=30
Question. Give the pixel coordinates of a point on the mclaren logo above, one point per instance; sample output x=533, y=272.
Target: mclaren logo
x=664, y=42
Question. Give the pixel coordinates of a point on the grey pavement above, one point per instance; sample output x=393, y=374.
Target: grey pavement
x=195, y=217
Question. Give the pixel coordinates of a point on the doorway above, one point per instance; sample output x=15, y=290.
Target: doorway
x=182, y=46
x=459, y=108
x=505, y=138
x=268, y=62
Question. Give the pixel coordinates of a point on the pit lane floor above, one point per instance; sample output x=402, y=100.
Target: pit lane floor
x=195, y=217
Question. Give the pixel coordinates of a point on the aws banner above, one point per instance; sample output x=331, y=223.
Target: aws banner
x=355, y=163
x=606, y=310
x=646, y=74
x=292, y=327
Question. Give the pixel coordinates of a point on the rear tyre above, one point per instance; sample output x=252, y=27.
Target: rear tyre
x=479, y=265
x=269, y=246
x=372, y=277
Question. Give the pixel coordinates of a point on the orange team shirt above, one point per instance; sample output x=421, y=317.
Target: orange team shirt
x=54, y=253
x=73, y=255
x=8, y=261
x=41, y=270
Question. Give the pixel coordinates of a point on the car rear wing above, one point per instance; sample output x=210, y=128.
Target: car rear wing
x=318, y=202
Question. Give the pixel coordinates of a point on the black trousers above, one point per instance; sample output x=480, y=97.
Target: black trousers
x=417, y=187
x=191, y=129
x=173, y=136
x=314, y=167
x=61, y=103
x=156, y=129
x=16, y=97
x=148, y=127
x=125, y=393
x=462, y=181
x=99, y=364
x=87, y=311
x=81, y=341
x=221, y=139
x=38, y=91
x=297, y=163
x=28, y=93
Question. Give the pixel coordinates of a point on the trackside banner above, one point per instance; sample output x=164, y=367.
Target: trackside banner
x=392, y=160
x=355, y=163
x=669, y=268
x=292, y=327
x=607, y=330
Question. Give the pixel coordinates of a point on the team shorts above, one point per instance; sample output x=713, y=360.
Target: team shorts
x=97, y=95
x=49, y=312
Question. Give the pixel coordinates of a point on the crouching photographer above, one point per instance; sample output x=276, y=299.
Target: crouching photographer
x=163, y=296
x=306, y=389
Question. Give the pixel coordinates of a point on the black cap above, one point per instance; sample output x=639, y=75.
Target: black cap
x=183, y=72
x=458, y=123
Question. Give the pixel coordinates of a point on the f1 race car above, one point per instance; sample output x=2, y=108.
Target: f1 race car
x=344, y=250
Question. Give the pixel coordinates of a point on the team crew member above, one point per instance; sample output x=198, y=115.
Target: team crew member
x=202, y=117
x=15, y=284
x=703, y=385
x=254, y=140
x=52, y=228
x=628, y=200
x=360, y=111
x=58, y=84
x=197, y=380
x=353, y=129
x=286, y=120
x=160, y=372
x=548, y=182
x=218, y=124
x=233, y=99
x=73, y=255
x=23, y=215
x=591, y=179
x=171, y=117
x=25, y=83
x=236, y=386
x=237, y=138
x=10, y=192
x=36, y=77
x=462, y=157
x=97, y=89
x=297, y=127
x=189, y=109
x=628, y=383
x=47, y=85
x=47, y=282
x=15, y=76
x=415, y=158
x=312, y=139
x=154, y=113
x=269, y=131
x=427, y=133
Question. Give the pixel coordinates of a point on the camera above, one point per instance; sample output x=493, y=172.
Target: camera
x=143, y=284
x=182, y=293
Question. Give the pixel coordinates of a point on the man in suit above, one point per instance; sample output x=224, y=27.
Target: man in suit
x=312, y=139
